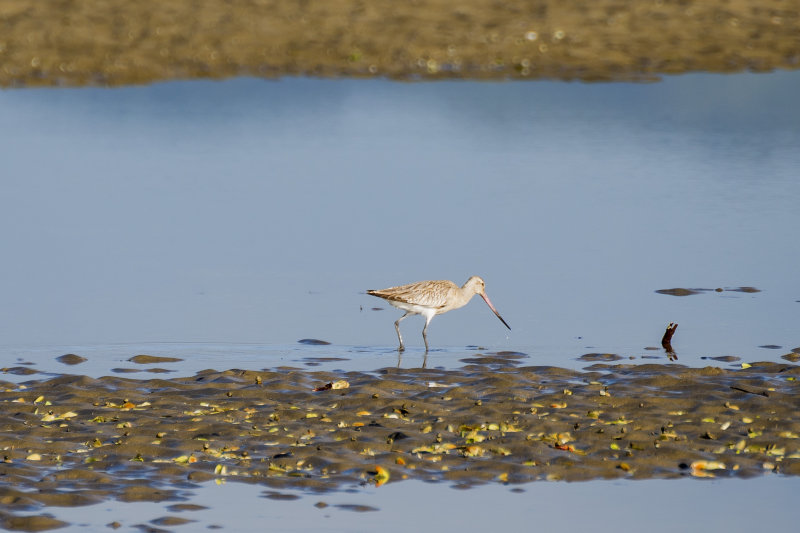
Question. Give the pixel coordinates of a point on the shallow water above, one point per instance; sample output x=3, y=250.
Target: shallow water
x=684, y=505
x=258, y=212
x=40, y=362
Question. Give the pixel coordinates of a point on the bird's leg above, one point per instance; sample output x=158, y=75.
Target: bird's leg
x=397, y=327
x=425, y=332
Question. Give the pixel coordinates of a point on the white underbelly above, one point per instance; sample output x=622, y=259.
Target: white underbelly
x=414, y=308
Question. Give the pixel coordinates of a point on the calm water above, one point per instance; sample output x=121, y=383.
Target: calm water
x=223, y=221
x=654, y=506
x=258, y=212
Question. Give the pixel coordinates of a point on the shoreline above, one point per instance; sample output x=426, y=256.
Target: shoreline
x=96, y=43
x=74, y=440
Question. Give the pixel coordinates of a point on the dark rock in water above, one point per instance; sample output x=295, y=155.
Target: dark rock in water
x=280, y=496
x=124, y=370
x=490, y=360
x=496, y=358
x=282, y=455
x=200, y=476
x=791, y=356
x=30, y=523
x=771, y=346
x=170, y=521
x=511, y=354
x=313, y=342
x=745, y=289
x=397, y=435
x=149, y=359
x=71, y=359
x=724, y=358
x=688, y=292
x=179, y=507
x=145, y=493
x=600, y=357
x=159, y=370
x=19, y=371
x=356, y=508
x=678, y=292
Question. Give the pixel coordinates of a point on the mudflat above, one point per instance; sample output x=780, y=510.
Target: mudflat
x=98, y=42
x=74, y=440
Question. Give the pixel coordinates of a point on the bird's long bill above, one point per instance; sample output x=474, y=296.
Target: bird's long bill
x=489, y=303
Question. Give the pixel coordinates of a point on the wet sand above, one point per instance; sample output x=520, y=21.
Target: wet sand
x=73, y=440
x=94, y=42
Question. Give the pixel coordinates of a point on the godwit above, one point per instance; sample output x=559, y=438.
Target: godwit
x=431, y=298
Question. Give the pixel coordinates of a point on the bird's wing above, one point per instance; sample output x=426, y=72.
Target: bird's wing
x=428, y=293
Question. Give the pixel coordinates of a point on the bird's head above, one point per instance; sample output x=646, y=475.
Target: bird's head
x=476, y=285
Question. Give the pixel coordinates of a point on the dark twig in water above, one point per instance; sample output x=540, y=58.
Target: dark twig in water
x=666, y=341
x=758, y=393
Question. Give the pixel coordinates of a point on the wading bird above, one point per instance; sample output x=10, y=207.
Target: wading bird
x=431, y=298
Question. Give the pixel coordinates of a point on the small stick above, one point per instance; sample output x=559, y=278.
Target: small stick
x=666, y=340
x=758, y=393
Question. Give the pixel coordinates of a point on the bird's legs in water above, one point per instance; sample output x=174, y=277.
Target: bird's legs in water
x=425, y=333
x=397, y=327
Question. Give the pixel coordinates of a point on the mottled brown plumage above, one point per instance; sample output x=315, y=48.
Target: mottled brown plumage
x=431, y=298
